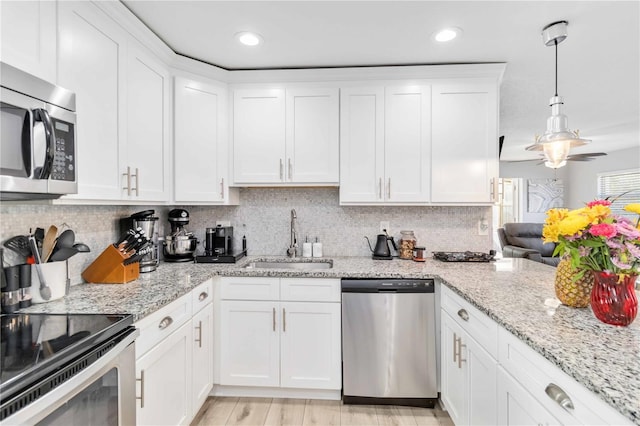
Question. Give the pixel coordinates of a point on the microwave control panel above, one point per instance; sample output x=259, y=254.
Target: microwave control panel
x=64, y=155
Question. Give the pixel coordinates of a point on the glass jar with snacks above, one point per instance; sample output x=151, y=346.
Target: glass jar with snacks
x=407, y=243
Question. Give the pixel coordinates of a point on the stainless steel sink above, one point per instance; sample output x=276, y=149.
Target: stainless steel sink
x=304, y=266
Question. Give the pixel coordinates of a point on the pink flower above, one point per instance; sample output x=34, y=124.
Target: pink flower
x=603, y=230
x=598, y=203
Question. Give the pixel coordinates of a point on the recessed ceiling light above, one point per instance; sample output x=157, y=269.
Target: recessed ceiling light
x=447, y=34
x=249, y=39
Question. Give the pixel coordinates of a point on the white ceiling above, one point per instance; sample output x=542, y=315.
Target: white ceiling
x=599, y=71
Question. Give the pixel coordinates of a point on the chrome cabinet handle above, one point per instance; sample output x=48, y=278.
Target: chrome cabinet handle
x=284, y=320
x=128, y=175
x=199, y=339
x=455, y=347
x=460, y=346
x=166, y=322
x=137, y=176
x=494, y=182
x=141, y=380
x=556, y=393
x=222, y=188
x=290, y=170
x=380, y=188
x=203, y=296
x=274, y=319
x=281, y=170
x=389, y=190
x=463, y=314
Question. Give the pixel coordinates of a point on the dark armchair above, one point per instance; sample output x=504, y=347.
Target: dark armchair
x=525, y=240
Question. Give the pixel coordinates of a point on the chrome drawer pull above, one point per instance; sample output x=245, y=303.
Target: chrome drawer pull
x=284, y=320
x=460, y=346
x=281, y=170
x=274, y=319
x=128, y=175
x=463, y=314
x=199, y=339
x=137, y=176
x=203, y=296
x=141, y=380
x=556, y=393
x=166, y=322
x=455, y=347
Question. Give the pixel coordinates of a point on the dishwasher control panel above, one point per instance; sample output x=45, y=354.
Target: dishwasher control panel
x=398, y=285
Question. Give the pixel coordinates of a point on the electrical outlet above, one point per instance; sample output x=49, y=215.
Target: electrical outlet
x=483, y=227
x=384, y=225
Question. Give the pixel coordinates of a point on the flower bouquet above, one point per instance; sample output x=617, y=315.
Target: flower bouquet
x=596, y=240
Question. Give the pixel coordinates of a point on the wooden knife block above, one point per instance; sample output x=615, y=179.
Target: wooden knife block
x=108, y=268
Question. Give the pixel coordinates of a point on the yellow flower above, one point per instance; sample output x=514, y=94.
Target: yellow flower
x=556, y=215
x=550, y=233
x=633, y=208
x=597, y=212
x=573, y=224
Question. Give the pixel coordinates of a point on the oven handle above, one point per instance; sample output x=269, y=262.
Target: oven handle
x=41, y=114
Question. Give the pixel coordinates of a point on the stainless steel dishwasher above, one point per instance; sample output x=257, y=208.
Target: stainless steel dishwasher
x=389, y=342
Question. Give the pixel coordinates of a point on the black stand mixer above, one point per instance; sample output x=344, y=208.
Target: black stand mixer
x=180, y=244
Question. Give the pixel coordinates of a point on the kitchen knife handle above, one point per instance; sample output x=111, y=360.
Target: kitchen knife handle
x=128, y=175
x=141, y=380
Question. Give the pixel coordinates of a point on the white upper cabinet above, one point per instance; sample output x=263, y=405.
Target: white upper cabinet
x=123, y=109
x=148, y=141
x=285, y=136
x=91, y=64
x=259, y=136
x=28, y=38
x=200, y=144
x=465, y=141
x=385, y=144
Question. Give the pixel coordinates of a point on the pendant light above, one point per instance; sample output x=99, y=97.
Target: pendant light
x=558, y=139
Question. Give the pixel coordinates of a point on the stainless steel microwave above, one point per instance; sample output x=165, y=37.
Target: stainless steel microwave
x=37, y=137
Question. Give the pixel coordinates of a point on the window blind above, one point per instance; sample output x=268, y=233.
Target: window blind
x=621, y=186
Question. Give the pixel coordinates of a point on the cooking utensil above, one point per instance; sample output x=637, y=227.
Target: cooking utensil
x=19, y=244
x=45, y=291
x=63, y=253
x=48, y=243
x=81, y=247
x=66, y=239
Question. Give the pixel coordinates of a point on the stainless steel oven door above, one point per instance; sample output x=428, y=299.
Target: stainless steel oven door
x=103, y=393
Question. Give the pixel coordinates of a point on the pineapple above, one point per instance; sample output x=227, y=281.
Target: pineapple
x=576, y=294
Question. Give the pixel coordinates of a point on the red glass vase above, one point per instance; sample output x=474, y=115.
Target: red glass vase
x=613, y=300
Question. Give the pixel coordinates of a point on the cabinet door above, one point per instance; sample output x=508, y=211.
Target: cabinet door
x=249, y=343
x=312, y=136
x=164, y=381
x=310, y=345
x=465, y=142
x=407, y=143
x=481, y=373
x=454, y=388
x=147, y=142
x=90, y=61
x=361, y=144
x=200, y=140
x=259, y=136
x=516, y=406
x=202, y=357
x=28, y=39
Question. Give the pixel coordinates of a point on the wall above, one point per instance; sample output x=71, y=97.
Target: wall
x=264, y=217
x=584, y=176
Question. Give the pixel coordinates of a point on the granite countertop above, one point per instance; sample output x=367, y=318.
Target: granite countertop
x=513, y=292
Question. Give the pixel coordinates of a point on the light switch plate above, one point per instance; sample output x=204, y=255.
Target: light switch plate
x=483, y=227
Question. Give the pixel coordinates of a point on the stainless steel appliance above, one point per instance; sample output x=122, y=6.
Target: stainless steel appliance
x=146, y=221
x=180, y=244
x=218, y=246
x=389, y=342
x=38, y=137
x=67, y=369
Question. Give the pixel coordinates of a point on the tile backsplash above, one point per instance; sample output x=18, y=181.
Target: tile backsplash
x=263, y=216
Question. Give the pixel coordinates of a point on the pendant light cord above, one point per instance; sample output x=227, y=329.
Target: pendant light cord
x=556, y=43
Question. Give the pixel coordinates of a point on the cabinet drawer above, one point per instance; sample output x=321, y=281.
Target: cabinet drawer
x=310, y=289
x=548, y=384
x=250, y=288
x=202, y=295
x=162, y=323
x=479, y=326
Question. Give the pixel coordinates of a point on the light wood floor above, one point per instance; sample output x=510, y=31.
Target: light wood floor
x=266, y=411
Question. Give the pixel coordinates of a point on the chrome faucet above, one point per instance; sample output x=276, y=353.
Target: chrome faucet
x=293, y=247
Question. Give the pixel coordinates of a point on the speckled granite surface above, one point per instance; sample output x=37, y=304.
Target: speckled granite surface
x=605, y=359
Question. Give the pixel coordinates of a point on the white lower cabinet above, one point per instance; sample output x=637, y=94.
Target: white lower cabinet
x=174, y=365
x=278, y=342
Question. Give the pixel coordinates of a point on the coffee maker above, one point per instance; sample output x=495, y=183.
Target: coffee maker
x=180, y=244
x=146, y=221
x=218, y=246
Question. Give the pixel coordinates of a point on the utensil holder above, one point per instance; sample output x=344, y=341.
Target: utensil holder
x=55, y=275
x=108, y=268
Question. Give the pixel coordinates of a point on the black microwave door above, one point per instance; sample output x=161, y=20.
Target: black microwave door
x=15, y=141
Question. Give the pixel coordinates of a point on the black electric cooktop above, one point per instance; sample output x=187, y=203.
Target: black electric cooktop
x=31, y=345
